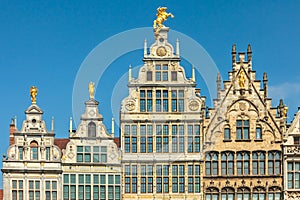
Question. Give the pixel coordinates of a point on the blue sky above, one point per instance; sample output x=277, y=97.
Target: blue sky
x=44, y=44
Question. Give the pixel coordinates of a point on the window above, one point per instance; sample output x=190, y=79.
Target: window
x=258, y=163
x=92, y=129
x=162, y=101
x=178, y=174
x=51, y=190
x=149, y=75
x=177, y=101
x=274, y=193
x=69, y=186
x=130, y=139
x=177, y=138
x=130, y=178
x=162, y=138
x=161, y=72
x=212, y=194
x=274, y=162
x=193, y=138
x=34, y=150
x=193, y=179
x=83, y=153
x=296, y=140
x=242, y=130
x=34, y=190
x=227, y=135
x=227, y=194
x=174, y=76
x=258, y=134
x=47, y=153
x=211, y=163
x=146, y=179
x=259, y=193
x=243, y=193
x=162, y=178
x=17, y=190
x=227, y=163
x=146, y=100
x=21, y=153
x=243, y=163
x=293, y=169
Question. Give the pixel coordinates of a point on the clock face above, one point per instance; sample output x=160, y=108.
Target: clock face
x=194, y=105
x=130, y=105
x=161, y=51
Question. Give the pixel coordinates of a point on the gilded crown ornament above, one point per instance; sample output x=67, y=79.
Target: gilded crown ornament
x=92, y=90
x=33, y=94
x=162, y=16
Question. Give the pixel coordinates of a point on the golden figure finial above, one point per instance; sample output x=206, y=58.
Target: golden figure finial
x=91, y=90
x=242, y=80
x=285, y=110
x=33, y=94
x=162, y=15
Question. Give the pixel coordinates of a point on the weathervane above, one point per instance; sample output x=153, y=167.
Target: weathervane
x=162, y=16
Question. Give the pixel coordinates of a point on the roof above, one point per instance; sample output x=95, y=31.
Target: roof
x=61, y=142
x=117, y=141
x=1, y=194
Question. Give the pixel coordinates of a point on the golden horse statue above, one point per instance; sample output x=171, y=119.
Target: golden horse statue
x=162, y=16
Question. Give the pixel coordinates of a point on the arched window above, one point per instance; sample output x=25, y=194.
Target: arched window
x=211, y=163
x=274, y=193
x=243, y=193
x=243, y=163
x=34, y=150
x=92, y=129
x=227, y=194
x=258, y=134
x=227, y=135
x=212, y=193
x=274, y=162
x=259, y=193
x=258, y=162
x=227, y=163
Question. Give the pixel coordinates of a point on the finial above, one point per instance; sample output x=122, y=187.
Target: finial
x=249, y=53
x=71, y=128
x=112, y=126
x=233, y=52
x=265, y=76
x=15, y=121
x=193, y=74
x=161, y=16
x=177, y=47
x=92, y=90
x=33, y=94
x=233, y=48
x=145, y=47
x=52, y=124
x=130, y=74
x=219, y=84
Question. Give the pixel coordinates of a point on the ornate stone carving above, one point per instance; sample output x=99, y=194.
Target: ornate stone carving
x=293, y=150
x=194, y=105
x=130, y=105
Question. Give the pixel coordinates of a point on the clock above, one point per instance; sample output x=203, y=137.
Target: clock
x=130, y=105
x=161, y=51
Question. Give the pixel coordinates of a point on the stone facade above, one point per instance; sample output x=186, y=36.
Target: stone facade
x=291, y=160
x=243, y=137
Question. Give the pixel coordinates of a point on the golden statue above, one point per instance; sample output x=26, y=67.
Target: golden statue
x=162, y=15
x=285, y=110
x=92, y=90
x=242, y=79
x=33, y=94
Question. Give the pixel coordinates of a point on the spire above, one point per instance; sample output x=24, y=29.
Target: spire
x=52, y=124
x=145, y=47
x=193, y=74
x=112, y=126
x=249, y=52
x=130, y=73
x=177, y=47
x=71, y=128
x=219, y=85
x=233, y=52
x=265, y=82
